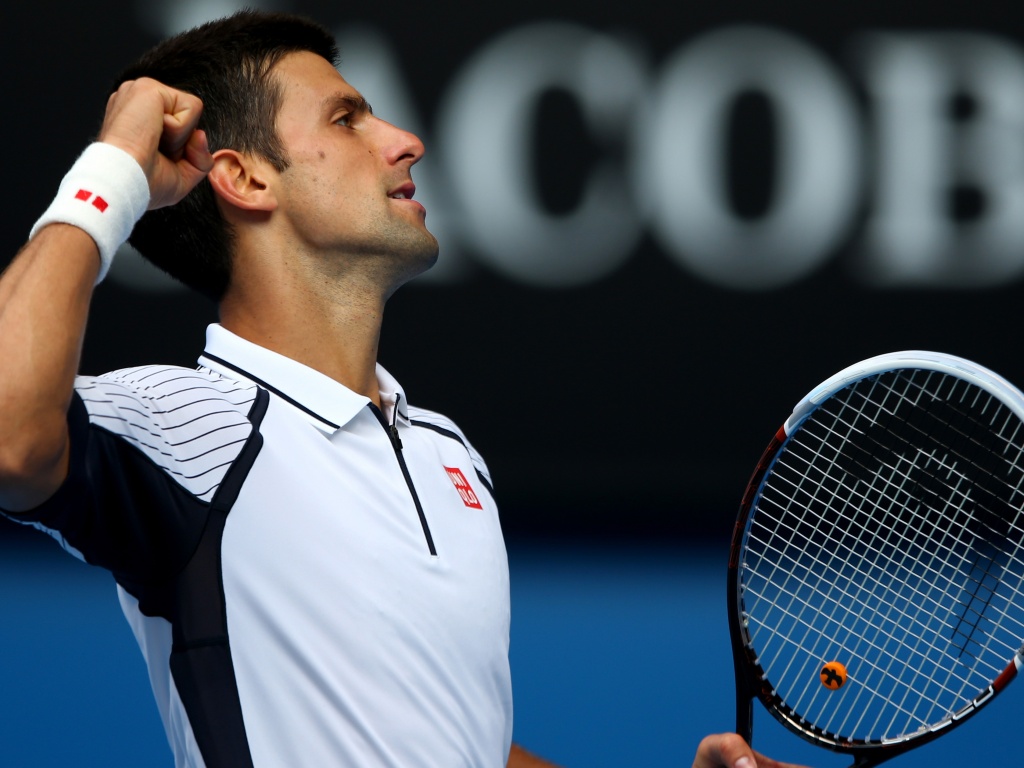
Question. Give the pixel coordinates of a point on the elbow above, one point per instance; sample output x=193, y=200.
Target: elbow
x=31, y=470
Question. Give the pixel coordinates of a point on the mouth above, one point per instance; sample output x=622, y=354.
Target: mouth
x=404, y=192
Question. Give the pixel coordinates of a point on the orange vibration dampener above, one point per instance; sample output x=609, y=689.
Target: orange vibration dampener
x=833, y=675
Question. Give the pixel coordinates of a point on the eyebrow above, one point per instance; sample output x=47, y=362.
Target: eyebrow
x=340, y=101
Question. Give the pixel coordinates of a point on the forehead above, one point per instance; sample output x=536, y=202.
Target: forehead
x=309, y=82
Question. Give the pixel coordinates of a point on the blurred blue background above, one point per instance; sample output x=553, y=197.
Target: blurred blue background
x=620, y=659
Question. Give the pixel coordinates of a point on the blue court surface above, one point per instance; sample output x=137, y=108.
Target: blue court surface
x=620, y=658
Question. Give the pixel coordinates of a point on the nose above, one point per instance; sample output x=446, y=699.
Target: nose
x=400, y=145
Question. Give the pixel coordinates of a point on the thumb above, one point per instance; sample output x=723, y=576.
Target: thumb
x=196, y=160
x=729, y=750
x=724, y=750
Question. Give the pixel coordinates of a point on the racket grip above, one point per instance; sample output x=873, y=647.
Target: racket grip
x=745, y=718
x=744, y=706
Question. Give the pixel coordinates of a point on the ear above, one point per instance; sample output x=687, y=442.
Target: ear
x=241, y=181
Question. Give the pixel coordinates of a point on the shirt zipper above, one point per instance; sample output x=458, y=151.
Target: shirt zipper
x=396, y=443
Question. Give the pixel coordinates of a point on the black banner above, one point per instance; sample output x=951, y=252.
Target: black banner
x=660, y=225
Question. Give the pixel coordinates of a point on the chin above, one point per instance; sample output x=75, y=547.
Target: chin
x=428, y=252
x=414, y=262
x=425, y=263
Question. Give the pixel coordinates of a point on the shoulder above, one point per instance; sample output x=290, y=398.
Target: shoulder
x=445, y=427
x=190, y=424
x=168, y=405
x=171, y=380
x=161, y=388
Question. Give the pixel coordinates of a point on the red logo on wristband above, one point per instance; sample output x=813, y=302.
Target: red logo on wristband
x=97, y=202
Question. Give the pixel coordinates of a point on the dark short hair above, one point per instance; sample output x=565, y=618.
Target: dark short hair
x=227, y=64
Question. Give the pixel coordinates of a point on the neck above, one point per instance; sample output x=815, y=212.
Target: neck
x=332, y=327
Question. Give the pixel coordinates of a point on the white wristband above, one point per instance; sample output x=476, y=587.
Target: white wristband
x=104, y=194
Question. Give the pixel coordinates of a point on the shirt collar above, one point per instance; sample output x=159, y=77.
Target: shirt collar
x=327, y=404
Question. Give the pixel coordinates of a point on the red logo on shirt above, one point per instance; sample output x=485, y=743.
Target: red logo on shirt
x=469, y=497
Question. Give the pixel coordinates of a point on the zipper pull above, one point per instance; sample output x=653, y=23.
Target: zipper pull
x=393, y=429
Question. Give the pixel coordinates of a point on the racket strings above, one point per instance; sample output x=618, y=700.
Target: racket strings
x=902, y=608
x=898, y=697
x=877, y=548
x=929, y=524
x=807, y=604
x=815, y=653
x=807, y=544
x=1005, y=528
x=892, y=556
x=957, y=426
x=988, y=526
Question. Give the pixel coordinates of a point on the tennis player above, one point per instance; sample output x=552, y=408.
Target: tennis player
x=313, y=567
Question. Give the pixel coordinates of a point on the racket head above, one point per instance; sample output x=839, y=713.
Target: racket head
x=888, y=543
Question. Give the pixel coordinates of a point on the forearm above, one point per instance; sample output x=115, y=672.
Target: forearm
x=44, y=305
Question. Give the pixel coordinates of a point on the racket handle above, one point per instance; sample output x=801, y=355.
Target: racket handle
x=744, y=712
x=745, y=720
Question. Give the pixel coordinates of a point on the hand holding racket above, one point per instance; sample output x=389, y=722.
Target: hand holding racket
x=876, y=569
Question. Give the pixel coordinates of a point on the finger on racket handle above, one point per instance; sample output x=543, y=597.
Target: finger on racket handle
x=876, y=571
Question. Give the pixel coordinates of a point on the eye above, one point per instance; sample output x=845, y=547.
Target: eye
x=346, y=120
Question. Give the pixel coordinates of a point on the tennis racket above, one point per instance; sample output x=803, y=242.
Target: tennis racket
x=876, y=570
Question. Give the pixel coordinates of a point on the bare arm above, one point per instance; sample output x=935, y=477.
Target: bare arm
x=45, y=293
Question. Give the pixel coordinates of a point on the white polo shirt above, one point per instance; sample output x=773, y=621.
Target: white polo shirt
x=311, y=581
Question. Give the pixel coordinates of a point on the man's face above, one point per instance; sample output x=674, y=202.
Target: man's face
x=348, y=188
